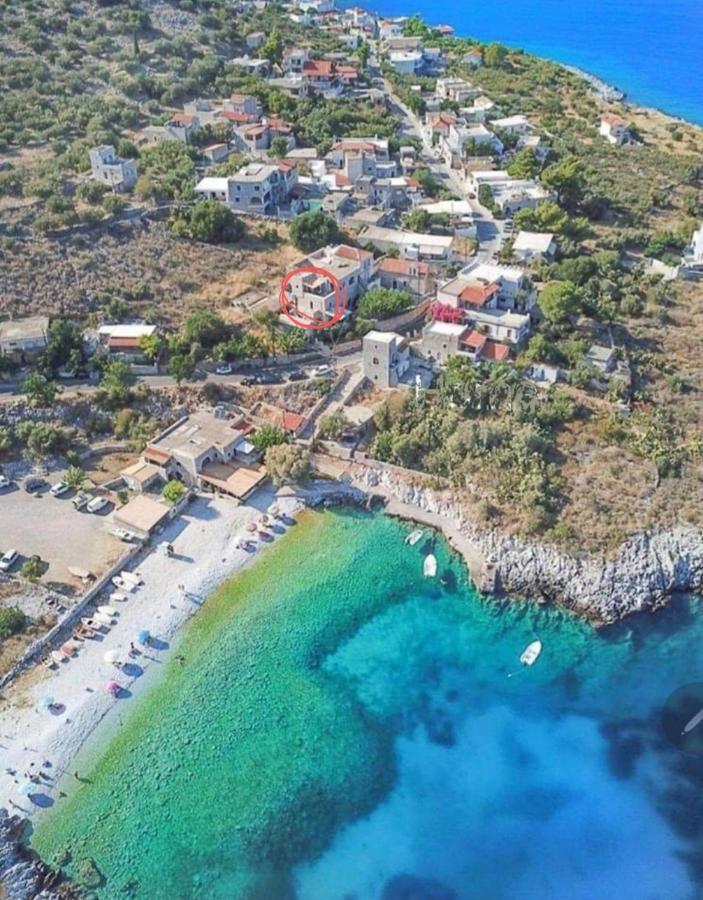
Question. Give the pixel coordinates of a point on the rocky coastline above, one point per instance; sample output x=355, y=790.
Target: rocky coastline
x=646, y=571
x=23, y=876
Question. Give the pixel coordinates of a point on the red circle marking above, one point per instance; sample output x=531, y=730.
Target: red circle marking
x=302, y=319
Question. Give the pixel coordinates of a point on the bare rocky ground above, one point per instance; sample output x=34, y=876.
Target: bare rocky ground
x=156, y=274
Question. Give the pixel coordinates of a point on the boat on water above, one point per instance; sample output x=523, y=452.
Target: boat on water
x=414, y=537
x=530, y=653
x=429, y=567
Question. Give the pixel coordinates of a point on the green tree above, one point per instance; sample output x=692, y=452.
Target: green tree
x=39, y=389
x=75, y=477
x=205, y=328
x=380, y=303
x=279, y=147
x=568, y=178
x=210, y=222
x=151, y=346
x=173, y=491
x=272, y=48
x=116, y=383
x=64, y=344
x=494, y=55
x=524, y=164
x=332, y=427
x=312, y=230
x=180, y=367
x=288, y=463
x=32, y=568
x=12, y=621
x=418, y=220
x=268, y=436
x=559, y=300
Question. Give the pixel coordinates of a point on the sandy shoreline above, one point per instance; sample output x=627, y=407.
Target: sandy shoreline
x=204, y=539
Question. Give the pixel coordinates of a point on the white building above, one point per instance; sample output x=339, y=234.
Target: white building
x=693, y=254
x=510, y=194
x=406, y=62
x=26, y=335
x=255, y=188
x=314, y=295
x=108, y=168
x=385, y=358
x=412, y=244
x=614, y=130
x=530, y=246
x=442, y=340
x=512, y=125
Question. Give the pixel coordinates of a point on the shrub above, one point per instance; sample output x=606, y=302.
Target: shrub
x=380, y=303
x=12, y=621
x=173, y=491
x=288, y=463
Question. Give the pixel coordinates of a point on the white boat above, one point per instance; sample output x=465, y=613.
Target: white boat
x=429, y=568
x=123, y=585
x=414, y=537
x=132, y=578
x=530, y=653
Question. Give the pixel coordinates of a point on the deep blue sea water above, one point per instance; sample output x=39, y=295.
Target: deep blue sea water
x=651, y=49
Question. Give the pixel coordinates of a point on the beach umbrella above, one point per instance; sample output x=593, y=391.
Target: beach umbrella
x=144, y=636
x=112, y=687
x=27, y=788
x=46, y=702
x=112, y=656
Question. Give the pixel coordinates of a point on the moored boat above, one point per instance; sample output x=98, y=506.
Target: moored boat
x=429, y=567
x=530, y=653
x=414, y=537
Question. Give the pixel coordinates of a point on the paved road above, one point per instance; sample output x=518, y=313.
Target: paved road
x=10, y=392
x=489, y=231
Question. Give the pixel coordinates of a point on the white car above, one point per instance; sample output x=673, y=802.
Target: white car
x=59, y=488
x=224, y=369
x=321, y=371
x=97, y=504
x=124, y=535
x=8, y=560
x=4, y=482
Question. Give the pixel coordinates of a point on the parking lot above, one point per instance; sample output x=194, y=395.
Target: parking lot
x=52, y=529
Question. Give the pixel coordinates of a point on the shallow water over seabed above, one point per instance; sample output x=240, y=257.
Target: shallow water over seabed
x=344, y=728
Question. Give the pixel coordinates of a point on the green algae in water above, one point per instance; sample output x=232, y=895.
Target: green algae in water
x=247, y=758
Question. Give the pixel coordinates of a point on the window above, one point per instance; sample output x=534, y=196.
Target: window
x=375, y=361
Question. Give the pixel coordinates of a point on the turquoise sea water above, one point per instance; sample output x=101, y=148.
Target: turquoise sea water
x=651, y=49
x=344, y=728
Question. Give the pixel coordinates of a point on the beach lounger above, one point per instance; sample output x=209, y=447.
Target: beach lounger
x=57, y=656
x=117, y=597
x=132, y=578
x=107, y=610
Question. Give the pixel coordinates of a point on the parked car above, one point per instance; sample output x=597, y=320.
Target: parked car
x=250, y=380
x=321, y=371
x=97, y=504
x=81, y=499
x=297, y=375
x=508, y=225
x=4, y=482
x=224, y=369
x=59, y=488
x=32, y=485
x=270, y=378
x=8, y=560
x=124, y=535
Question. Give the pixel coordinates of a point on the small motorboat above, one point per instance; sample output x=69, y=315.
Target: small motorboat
x=530, y=653
x=108, y=611
x=429, y=567
x=123, y=585
x=132, y=578
x=414, y=537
